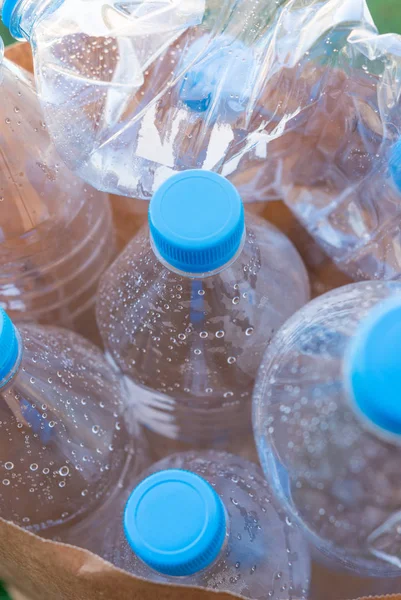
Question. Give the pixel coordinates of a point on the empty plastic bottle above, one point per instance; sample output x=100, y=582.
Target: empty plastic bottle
x=328, y=425
x=208, y=520
x=65, y=448
x=359, y=228
x=133, y=93
x=188, y=308
x=56, y=233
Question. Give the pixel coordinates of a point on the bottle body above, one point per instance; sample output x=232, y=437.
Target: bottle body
x=263, y=552
x=65, y=445
x=358, y=228
x=56, y=232
x=328, y=467
x=160, y=88
x=190, y=346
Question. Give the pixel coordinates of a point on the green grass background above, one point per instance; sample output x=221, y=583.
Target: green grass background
x=387, y=16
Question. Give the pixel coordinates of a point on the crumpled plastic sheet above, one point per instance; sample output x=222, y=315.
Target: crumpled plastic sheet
x=285, y=97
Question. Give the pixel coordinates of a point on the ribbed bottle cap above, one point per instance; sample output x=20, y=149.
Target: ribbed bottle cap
x=9, y=346
x=196, y=219
x=175, y=522
x=395, y=163
x=373, y=367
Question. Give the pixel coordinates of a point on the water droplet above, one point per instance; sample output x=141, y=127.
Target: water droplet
x=63, y=471
x=8, y=121
x=118, y=425
x=59, y=374
x=84, y=492
x=197, y=351
x=249, y=331
x=231, y=360
x=33, y=467
x=182, y=336
x=201, y=292
x=16, y=109
x=61, y=484
x=50, y=380
x=220, y=333
x=6, y=482
x=237, y=565
x=288, y=521
x=203, y=334
x=95, y=429
x=52, y=423
x=235, y=300
x=46, y=471
x=228, y=394
x=32, y=380
x=9, y=466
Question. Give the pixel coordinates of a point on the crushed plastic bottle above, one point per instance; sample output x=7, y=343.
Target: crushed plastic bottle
x=187, y=310
x=328, y=425
x=65, y=447
x=56, y=233
x=226, y=532
x=357, y=223
x=133, y=93
x=284, y=97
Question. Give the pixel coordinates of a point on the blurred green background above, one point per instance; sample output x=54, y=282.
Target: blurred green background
x=386, y=13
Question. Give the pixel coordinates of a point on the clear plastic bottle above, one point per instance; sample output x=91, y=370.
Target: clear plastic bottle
x=225, y=530
x=359, y=227
x=328, y=425
x=65, y=447
x=133, y=93
x=187, y=310
x=56, y=233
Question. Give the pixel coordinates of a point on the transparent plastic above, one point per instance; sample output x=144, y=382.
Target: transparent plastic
x=264, y=555
x=56, y=233
x=189, y=345
x=339, y=477
x=65, y=447
x=293, y=99
x=134, y=92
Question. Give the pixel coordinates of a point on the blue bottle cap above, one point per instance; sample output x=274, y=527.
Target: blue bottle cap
x=395, y=163
x=196, y=219
x=9, y=347
x=175, y=522
x=6, y=10
x=373, y=368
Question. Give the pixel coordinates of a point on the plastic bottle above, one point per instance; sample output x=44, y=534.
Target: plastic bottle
x=328, y=425
x=65, y=448
x=56, y=233
x=188, y=308
x=359, y=227
x=208, y=520
x=132, y=94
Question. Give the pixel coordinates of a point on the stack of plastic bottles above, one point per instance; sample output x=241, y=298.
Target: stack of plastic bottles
x=132, y=392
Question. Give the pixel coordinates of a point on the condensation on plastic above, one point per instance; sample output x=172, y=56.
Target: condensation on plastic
x=135, y=91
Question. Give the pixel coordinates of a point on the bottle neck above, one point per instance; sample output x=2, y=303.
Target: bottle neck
x=24, y=14
x=189, y=275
